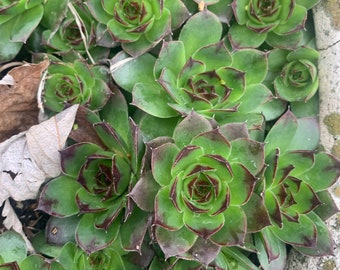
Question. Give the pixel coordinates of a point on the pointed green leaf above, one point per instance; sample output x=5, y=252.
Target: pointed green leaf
x=202, y=224
x=145, y=185
x=191, y=68
x=104, y=220
x=295, y=22
x=214, y=56
x=328, y=207
x=234, y=229
x=192, y=35
x=306, y=199
x=175, y=243
x=115, y=112
x=152, y=98
x=254, y=97
x=307, y=136
x=324, y=173
x=25, y=23
x=133, y=230
x=162, y=160
x=271, y=251
x=301, y=233
x=230, y=255
x=324, y=243
x=122, y=66
x=253, y=62
x=235, y=80
x=73, y=157
x=171, y=56
x=242, y=37
x=169, y=82
x=287, y=126
x=166, y=215
x=160, y=28
x=301, y=160
x=89, y=202
x=289, y=41
x=240, y=10
x=186, y=159
x=91, y=239
x=213, y=142
x=179, y=12
x=248, y=152
x=242, y=185
x=190, y=126
x=8, y=49
x=257, y=214
x=204, y=251
x=112, y=139
x=58, y=197
x=120, y=33
x=273, y=207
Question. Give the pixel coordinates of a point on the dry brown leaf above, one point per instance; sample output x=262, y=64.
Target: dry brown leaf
x=29, y=158
x=18, y=102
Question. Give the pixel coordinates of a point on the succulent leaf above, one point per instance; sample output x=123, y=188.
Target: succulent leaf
x=324, y=243
x=53, y=199
x=272, y=252
x=174, y=243
x=327, y=168
x=286, y=124
x=91, y=239
x=192, y=36
x=302, y=233
x=166, y=215
x=234, y=232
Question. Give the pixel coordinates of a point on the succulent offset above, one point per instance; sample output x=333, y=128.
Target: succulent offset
x=204, y=183
x=97, y=176
x=295, y=72
x=138, y=24
x=278, y=22
x=76, y=83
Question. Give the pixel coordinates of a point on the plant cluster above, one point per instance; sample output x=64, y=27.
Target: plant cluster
x=196, y=142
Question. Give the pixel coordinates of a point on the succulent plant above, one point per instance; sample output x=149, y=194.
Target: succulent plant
x=73, y=258
x=138, y=24
x=74, y=35
x=205, y=198
x=278, y=22
x=198, y=73
x=96, y=177
x=295, y=189
x=76, y=83
x=18, y=19
x=294, y=73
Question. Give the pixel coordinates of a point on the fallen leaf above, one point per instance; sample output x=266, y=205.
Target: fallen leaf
x=29, y=158
x=18, y=101
x=46, y=139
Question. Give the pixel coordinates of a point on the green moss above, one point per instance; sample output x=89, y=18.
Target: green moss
x=329, y=265
x=333, y=7
x=332, y=121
